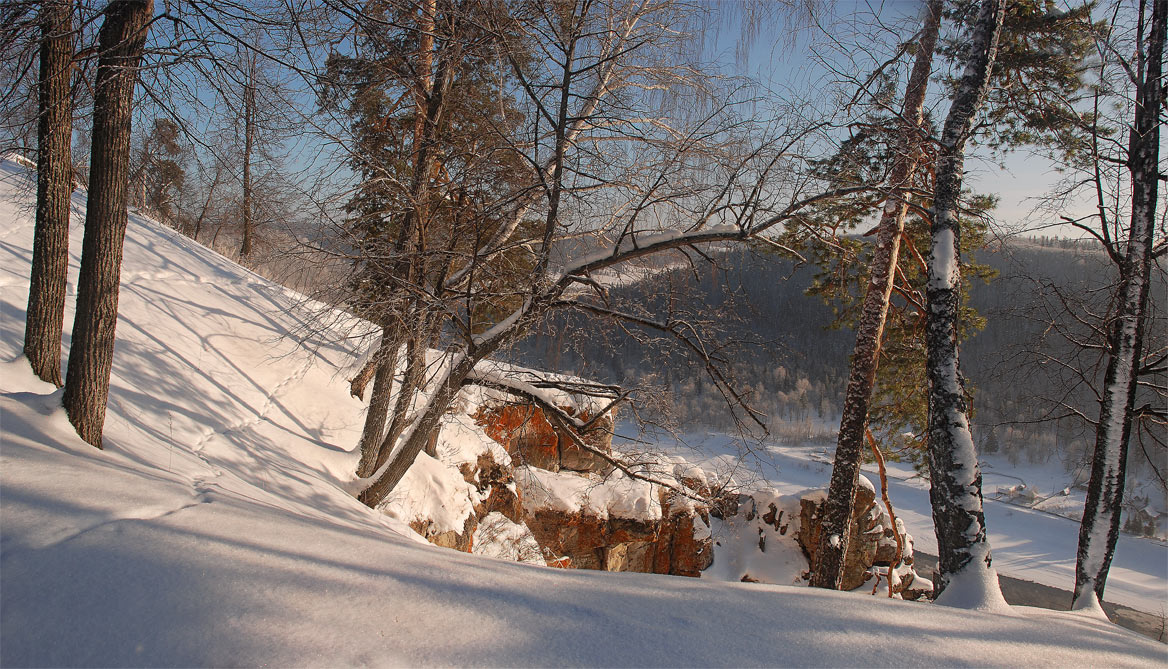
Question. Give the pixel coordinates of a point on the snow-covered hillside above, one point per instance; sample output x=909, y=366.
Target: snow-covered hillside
x=219, y=526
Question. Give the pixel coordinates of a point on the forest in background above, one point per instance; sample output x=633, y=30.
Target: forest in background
x=782, y=349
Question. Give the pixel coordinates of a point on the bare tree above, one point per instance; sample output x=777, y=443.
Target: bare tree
x=1101, y=515
x=250, y=74
x=121, y=43
x=612, y=182
x=50, y=254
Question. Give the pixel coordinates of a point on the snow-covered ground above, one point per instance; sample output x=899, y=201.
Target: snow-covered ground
x=1028, y=544
x=218, y=527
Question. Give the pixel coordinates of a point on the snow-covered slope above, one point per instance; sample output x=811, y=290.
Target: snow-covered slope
x=217, y=529
x=1028, y=544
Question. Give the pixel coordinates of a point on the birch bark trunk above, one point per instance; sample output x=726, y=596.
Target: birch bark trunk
x=955, y=477
x=1099, y=530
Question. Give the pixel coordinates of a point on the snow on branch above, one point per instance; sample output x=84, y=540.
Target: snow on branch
x=570, y=425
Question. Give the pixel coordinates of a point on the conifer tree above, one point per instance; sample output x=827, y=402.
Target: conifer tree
x=827, y=572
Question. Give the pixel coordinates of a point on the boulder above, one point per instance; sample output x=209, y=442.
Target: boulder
x=684, y=546
x=872, y=542
x=459, y=541
x=676, y=542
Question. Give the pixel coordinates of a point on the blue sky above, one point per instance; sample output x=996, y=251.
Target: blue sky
x=802, y=58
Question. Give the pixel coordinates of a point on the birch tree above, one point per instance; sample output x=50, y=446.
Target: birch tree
x=1040, y=59
x=1101, y=514
x=955, y=477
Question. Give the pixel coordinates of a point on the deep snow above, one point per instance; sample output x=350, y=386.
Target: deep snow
x=1029, y=544
x=218, y=528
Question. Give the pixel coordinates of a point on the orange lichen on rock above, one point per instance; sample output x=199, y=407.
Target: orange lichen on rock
x=528, y=436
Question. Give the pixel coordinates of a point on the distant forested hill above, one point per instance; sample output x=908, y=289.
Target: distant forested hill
x=780, y=350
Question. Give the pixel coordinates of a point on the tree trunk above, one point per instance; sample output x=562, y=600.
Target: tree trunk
x=429, y=104
x=206, y=204
x=385, y=363
x=121, y=40
x=1101, y=513
x=425, y=71
x=249, y=113
x=419, y=435
x=407, y=392
x=837, y=511
x=955, y=477
x=50, y=249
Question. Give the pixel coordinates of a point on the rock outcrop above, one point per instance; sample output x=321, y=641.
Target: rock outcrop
x=530, y=439
x=671, y=538
x=515, y=486
x=504, y=482
x=871, y=545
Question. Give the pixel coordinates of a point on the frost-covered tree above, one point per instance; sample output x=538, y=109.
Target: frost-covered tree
x=1141, y=157
x=428, y=122
x=955, y=476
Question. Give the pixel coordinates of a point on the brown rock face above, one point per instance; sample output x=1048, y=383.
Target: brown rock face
x=678, y=542
x=580, y=538
x=496, y=486
x=871, y=543
x=530, y=439
x=448, y=539
x=662, y=546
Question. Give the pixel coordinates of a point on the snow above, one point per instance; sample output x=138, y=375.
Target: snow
x=554, y=389
x=461, y=442
x=943, y=260
x=975, y=587
x=217, y=528
x=1029, y=544
x=498, y=537
x=432, y=490
x=757, y=550
x=615, y=495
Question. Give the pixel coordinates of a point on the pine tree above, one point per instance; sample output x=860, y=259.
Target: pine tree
x=428, y=129
x=828, y=570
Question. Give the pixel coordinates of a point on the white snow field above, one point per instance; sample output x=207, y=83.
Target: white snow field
x=1027, y=543
x=216, y=528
